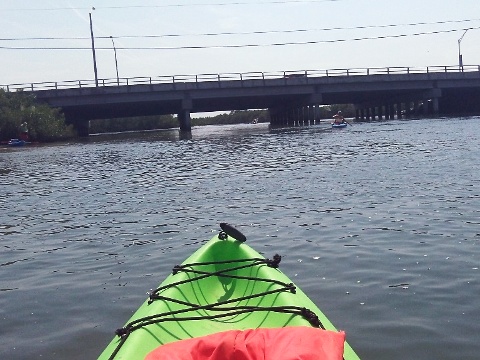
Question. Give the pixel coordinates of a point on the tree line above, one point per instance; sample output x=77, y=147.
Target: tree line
x=141, y=123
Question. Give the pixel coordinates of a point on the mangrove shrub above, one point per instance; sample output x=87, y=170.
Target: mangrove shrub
x=20, y=111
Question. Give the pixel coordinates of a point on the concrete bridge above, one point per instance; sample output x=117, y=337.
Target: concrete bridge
x=290, y=96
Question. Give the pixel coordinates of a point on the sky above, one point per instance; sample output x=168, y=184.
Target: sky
x=49, y=40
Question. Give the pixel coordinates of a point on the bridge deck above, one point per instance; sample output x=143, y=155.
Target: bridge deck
x=452, y=89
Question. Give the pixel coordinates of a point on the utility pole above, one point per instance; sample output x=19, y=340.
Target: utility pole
x=116, y=63
x=93, y=50
x=460, y=56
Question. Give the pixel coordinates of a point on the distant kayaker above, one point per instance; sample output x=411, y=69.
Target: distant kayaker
x=24, y=131
x=338, y=118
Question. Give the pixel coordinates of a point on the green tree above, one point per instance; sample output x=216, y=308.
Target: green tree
x=43, y=122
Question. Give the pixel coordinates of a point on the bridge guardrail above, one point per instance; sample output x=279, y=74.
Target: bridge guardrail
x=198, y=78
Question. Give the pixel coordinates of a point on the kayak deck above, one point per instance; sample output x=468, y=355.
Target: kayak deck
x=225, y=285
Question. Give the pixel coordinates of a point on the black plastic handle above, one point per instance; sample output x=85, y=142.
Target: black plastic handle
x=231, y=231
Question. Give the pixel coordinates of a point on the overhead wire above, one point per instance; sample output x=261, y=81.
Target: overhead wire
x=173, y=5
x=192, y=47
x=259, y=32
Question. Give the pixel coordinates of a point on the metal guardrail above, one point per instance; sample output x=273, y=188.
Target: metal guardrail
x=172, y=79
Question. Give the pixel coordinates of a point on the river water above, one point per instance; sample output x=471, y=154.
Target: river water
x=378, y=223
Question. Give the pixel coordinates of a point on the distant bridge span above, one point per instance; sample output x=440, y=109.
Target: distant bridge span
x=290, y=96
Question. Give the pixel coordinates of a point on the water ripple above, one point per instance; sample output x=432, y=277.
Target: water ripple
x=378, y=224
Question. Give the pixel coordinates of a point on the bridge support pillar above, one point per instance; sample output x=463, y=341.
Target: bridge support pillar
x=313, y=114
x=408, y=109
x=184, y=115
x=425, y=109
x=298, y=113
x=278, y=116
x=273, y=117
x=391, y=111
x=288, y=117
x=82, y=127
x=436, y=108
x=316, y=113
x=294, y=115
x=380, y=112
x=418, y=107
x=185, y=120
x=283, y=117
x=433, y=105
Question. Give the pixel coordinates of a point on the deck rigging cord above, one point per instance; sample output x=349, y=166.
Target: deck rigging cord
x=219, y=309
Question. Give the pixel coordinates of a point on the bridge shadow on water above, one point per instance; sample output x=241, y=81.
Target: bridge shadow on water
x=204, y=132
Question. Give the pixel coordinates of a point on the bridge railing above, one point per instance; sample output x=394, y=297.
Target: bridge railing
x=204, y=78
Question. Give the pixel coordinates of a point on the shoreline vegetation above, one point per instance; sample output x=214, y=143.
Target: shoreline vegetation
x=22, y=116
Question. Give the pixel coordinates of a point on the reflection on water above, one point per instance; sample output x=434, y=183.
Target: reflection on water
x=378, y=223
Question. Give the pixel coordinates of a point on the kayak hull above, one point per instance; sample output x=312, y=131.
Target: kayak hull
x=234, y=293
x=339, y=126
x=16, y=142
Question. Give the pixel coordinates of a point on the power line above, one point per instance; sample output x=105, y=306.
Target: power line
x=243, y=45
x=236, y=3
x=248, y=32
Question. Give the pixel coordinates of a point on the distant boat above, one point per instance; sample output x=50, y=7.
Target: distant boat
x=341, y=125
x=16, y=142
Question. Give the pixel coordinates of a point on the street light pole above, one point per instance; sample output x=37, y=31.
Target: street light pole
x=116, y=63
x=93, y=50
x=460, y=57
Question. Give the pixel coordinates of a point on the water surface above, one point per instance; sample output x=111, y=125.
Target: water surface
x=378, y=223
